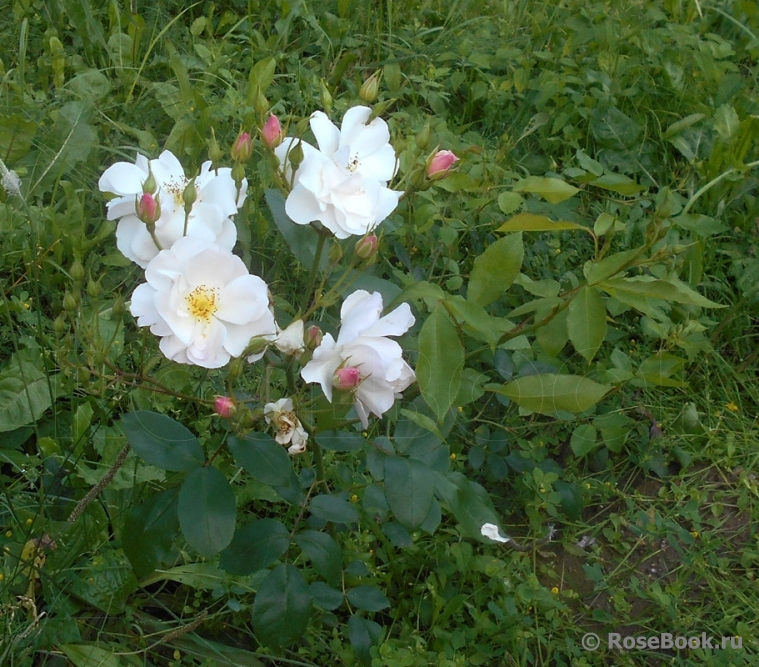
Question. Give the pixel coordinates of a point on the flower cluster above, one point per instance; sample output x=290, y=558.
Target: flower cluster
x=214, y=199
x=206, y=307
x=198, y=296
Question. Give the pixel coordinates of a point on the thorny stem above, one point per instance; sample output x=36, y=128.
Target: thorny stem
x=96, y=490
x=319, y=461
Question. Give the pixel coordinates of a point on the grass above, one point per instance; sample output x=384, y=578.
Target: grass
x=655, y=522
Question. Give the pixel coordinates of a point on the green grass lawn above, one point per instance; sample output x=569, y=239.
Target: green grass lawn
x=584, y=289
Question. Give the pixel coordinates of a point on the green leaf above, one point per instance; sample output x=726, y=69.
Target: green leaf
x=24, y=391
x=614, y=128
x=326, y=597
x=109, y=581
x=207, y=510
x=161, y=441
x=617, y=183
x=583, y=439
x=660, y=368
x=552, y=336
x=151, y=529
x=667, y=290
x=546, y=289
x=441, y=361
x=726, y=122
x=262, y=74
x=470, y=504
x=701, y=224
x=495, y=269
x=477, y=322
x=255, y=546
x=87, y=655
x=531, y=222
x=409, y=489
x=368, y=598
x=340, y=441
x=586, y=322
x=324, y=552
x=548, y=393
x=282, y=606
x=364, y=634
x=301, y=239
x=509, y=202
x=262, y=458
x=603, y=223
x=571, y=498
x=553, y=190
x=595, y=272
x=16, y=137
x=332, y=508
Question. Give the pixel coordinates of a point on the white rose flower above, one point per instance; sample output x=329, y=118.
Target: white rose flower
x=289, y=429
x=343, y=184
x=203, y=303
x=362, y=345
x=209, y=220
x=290, y=341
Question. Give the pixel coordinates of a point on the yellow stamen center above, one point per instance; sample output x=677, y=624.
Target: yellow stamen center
x=176, y=189
x=201, y=302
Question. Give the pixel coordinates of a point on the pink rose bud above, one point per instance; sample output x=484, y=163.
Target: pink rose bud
x=366, y=247
x=313, y=337
x=242, y=149
x=440, y=164
x=224, y=406
x=271, y=132
x=346, y=378
x=148, y=208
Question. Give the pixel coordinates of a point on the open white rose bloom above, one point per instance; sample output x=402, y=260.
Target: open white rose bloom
x=209, y=220
x=343, y=184
x=203, y=303
x=362, y=343
x=289, y=429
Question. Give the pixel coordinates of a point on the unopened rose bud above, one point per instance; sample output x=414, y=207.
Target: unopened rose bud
x=271, y=132
x=242, y=148
x=335, y=253
x=366, y=247
x=69, y=302
x=214, y=150
x=313, y=337
x=148, y=209
x=118, y=308
x=370, y=89
x=189, y=196
x=235, y=368
x=238, y=173
x=260, y=103
x=225, y=407
x=326, y=98
x=423, y=138
x=346, y=378
x=295, y=156
x=93, y=289
x=77, y=271
x=440, y=164
x=59, y=325
x=150, y=185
